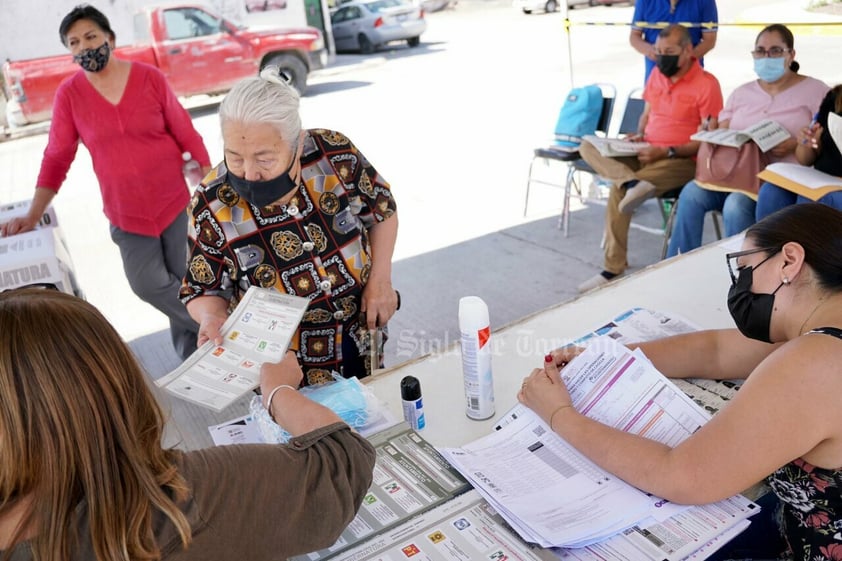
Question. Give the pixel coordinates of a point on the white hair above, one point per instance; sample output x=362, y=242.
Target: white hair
x=267, y=98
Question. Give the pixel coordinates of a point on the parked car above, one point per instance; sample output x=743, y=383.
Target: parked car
x=190, y=44
x=529, y=6
x=365, y=25
x=549, y=6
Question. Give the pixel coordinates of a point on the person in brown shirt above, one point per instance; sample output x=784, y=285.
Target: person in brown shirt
x=83, y=475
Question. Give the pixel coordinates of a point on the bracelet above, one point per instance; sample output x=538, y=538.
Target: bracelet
x=272, y=395
x=560, y=407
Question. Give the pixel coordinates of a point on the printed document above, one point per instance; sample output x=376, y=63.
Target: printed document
x=766, y=134
x=695, y=533
x=566, y=500
x=258, y=330
x=615, y=147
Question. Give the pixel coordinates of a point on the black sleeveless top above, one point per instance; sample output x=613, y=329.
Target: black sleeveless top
x=811, y=500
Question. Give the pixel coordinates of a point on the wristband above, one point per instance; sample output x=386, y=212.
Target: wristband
x=268, y=404
x=560, y=407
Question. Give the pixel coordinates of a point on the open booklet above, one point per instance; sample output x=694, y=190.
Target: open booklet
x=568, y=501
x=258, y=330
x=803, y=180
x=615, y=147
x=766, y=134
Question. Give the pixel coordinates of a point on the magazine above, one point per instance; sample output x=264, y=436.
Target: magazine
x=766, y=134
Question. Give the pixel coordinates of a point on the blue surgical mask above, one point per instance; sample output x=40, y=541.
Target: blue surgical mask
x=770, y=69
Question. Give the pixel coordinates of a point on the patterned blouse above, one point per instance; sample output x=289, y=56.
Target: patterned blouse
x=316, y=246
x=811, y=500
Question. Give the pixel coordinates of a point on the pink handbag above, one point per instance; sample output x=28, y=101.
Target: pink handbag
x=731, y=169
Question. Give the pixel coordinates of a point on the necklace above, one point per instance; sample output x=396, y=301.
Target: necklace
x=818, y=305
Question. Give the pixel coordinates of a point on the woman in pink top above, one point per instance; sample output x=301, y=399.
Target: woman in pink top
x=780, y=93
x=136, y=132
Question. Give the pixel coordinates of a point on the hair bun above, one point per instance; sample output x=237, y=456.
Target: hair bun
x=275, y=75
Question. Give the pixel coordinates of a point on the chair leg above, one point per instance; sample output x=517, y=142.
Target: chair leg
x=668, y=228
x=564, y=219
x=528, y=184
x=717, y=227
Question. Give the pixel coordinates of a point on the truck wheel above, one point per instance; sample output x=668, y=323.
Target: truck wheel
x=551, y=6
x=293, y=67
x=366, y=46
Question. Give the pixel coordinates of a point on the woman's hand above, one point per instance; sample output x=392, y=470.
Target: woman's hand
x=544, y=391
x=209, y=328
x=291, y=409
x=784, y=148
x=379, y=302
x=287, y=372
x=565, y=354
x=17, y=225
x=811, y=136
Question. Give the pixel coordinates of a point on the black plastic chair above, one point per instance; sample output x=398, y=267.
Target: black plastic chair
x=572, y=159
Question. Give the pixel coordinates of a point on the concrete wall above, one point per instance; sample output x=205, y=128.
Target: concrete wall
x=29, y=28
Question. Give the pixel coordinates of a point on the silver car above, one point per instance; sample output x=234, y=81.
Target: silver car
x=367, y=24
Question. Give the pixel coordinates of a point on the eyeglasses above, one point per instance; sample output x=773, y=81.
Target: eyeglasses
x=773, y=52
x=732, y=257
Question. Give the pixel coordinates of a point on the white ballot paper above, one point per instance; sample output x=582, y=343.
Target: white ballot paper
x=549, y=492
x=258, y=330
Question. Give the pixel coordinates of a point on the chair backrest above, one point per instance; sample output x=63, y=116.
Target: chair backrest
x=632, y=112
x=580, y=115
x=609, y=95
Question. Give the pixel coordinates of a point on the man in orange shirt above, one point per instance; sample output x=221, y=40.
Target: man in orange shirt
x=680, y=96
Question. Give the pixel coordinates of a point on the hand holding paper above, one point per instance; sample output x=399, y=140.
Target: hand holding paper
x=544, y=391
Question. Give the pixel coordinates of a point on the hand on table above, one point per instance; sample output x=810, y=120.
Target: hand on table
x=17, y=225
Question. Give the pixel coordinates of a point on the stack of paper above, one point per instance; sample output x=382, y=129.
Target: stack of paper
x=550, y=493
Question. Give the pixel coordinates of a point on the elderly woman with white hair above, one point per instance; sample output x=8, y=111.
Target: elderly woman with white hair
x=304, y=212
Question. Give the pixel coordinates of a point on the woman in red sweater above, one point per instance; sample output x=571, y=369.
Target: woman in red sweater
x=135, y=129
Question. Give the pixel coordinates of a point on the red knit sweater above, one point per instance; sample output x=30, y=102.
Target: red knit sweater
x=135, y=147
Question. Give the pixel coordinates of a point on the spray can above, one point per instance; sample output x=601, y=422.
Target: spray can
x=413, y=406
x=475, y=331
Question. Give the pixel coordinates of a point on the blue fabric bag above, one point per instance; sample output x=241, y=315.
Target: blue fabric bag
x=578, y=116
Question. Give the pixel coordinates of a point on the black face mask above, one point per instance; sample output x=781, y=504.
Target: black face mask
x=668, y=65
x=263, y=193
x=94, y=60
x=751, y=312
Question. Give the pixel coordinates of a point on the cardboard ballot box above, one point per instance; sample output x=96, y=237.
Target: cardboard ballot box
x=12, y=210
x=39, y=256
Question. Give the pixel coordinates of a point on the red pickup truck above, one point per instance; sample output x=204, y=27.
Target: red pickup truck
x=198, y=51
